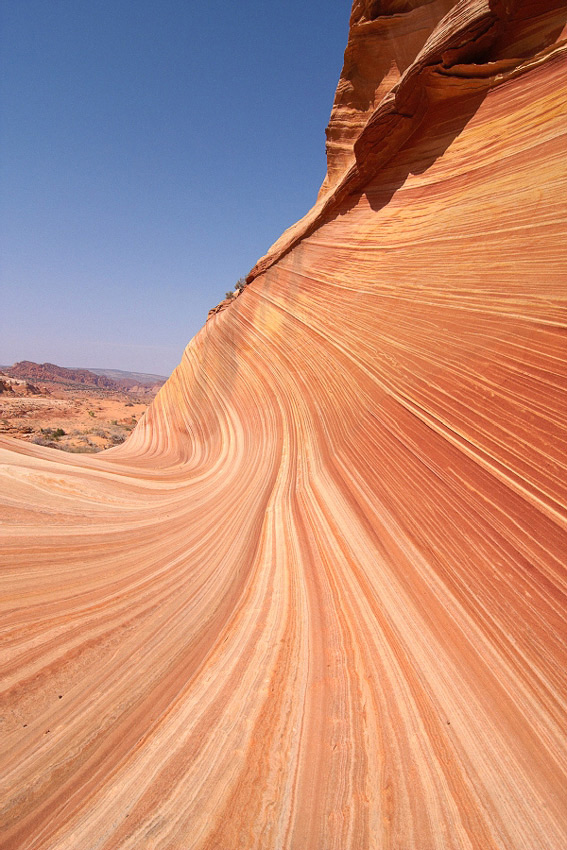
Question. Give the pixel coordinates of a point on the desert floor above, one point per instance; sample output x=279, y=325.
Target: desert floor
x=91, y=420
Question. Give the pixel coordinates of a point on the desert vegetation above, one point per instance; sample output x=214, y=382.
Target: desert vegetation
x=83, y=424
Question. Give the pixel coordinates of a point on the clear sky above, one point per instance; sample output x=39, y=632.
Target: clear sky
x=151, y=152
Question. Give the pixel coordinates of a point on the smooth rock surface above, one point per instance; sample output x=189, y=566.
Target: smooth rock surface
x=317, y=600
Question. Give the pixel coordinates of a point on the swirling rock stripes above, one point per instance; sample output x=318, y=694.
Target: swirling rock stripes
x=317, y=600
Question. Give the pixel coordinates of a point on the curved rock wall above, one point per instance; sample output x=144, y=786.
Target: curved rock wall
x=317, y=600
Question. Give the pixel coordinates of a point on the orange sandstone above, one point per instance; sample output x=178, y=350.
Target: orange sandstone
x=317, y=600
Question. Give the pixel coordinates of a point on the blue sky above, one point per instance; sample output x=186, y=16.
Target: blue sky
x=151, y=152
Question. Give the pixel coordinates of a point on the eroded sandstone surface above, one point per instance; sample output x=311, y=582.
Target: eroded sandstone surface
x=317, y=599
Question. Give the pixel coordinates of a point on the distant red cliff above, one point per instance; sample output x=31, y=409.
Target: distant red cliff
x=51, y=374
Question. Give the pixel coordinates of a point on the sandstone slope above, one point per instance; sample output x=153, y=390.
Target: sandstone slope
x=317, y=600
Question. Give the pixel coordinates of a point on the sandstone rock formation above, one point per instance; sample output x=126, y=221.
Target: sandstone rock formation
x=317, y=600
x=18, y=387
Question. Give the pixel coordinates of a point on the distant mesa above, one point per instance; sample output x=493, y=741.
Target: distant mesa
x=112, y=380
x=144, y=379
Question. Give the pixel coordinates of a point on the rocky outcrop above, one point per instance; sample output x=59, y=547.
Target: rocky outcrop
x=16, y=386
x=61, y=375
x=50, y=373
x=434, y=56
x=317, y=600
x=226, y=302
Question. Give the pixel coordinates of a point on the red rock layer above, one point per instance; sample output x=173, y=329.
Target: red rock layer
x=318, y=599
x=40, y=372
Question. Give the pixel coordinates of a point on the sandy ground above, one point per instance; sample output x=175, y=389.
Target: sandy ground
x=90, y=421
